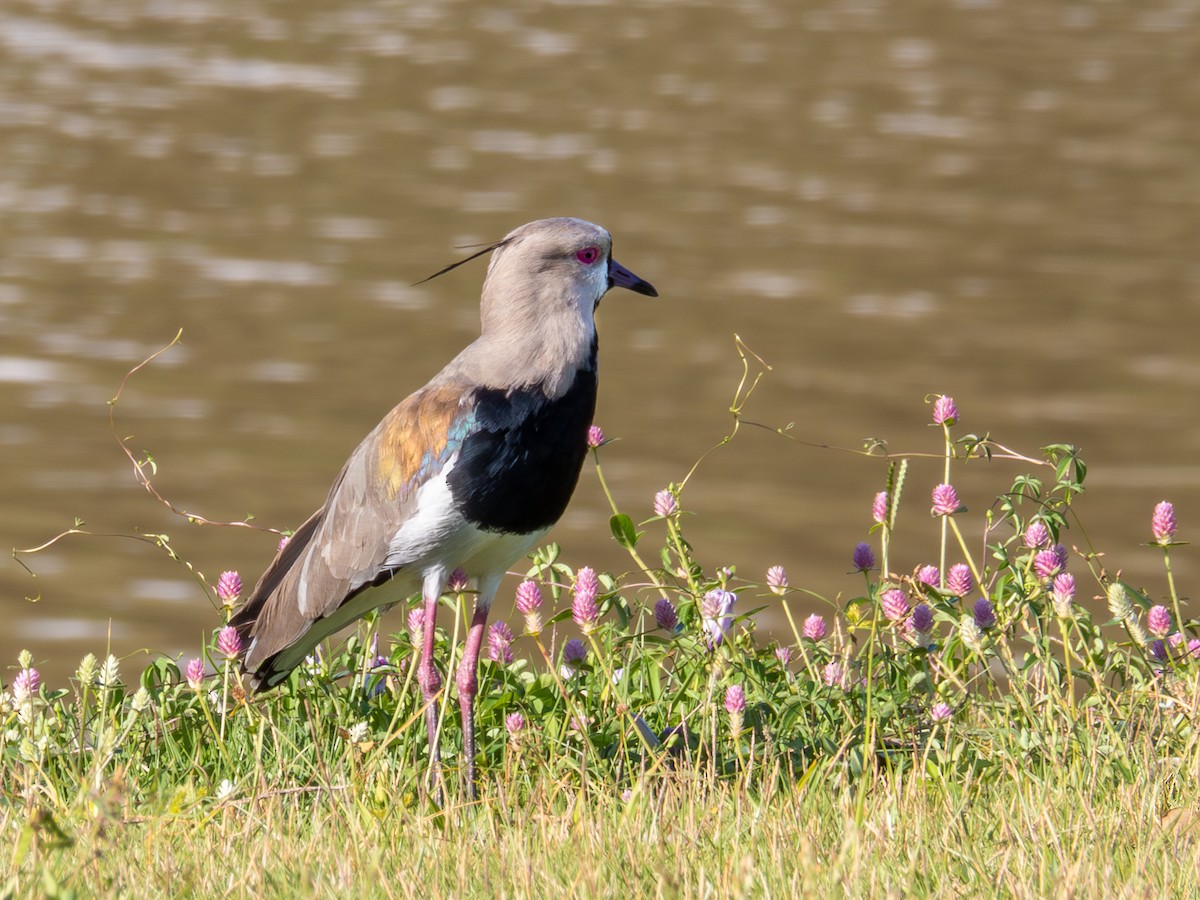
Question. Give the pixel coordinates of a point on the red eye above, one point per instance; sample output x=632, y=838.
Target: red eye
x=588, y=255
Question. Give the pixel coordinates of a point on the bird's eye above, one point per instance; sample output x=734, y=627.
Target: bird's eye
x=588, y=255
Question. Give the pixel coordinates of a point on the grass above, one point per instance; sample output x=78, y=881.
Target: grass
x=966, y=729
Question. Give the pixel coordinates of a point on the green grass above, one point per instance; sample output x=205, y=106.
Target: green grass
x=1011, y=745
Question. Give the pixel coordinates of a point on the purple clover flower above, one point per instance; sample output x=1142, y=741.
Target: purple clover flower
x=529, y=604
x=665, y=616
x=783, y=654
x=879, y=507
x=814, y=627
x=595, y=436
x=195, y=674
x=777, y=579
x=894, y=604
x=944, y=411
x=985, y=613
x=1158, y=651
x=940, y=712
x=529, y=597
x=959, y=581
x=863, y=559
x=945, y=500
x=514, y=723
x=1162, y=524
x=574, y=654
x=458, y=581
x=1036, y=534
x=26, y=684
x=283, y=542
x=664, y=503
x=500, y=638
x=1158, y=620
x=229, y=587
x=229, y=641
x=929, y=575
x=1194, y=648
x=1046, y=564
x=1062, y=593
x=584, y=610
x=735, y=699
x=922, y=617
x=833, y=675
x=416, y=625
x=716, y=614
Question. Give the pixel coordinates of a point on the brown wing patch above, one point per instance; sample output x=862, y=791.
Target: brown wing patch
x=415, y=436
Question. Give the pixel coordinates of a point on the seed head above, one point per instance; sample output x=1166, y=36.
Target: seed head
x=1119, y=603
x=971, y=636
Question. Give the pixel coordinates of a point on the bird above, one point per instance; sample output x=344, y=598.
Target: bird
x=467, y=473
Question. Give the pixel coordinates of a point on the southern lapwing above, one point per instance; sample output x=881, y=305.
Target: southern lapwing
x=469, y=472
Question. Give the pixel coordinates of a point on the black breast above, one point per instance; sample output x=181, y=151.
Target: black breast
x=518, y=467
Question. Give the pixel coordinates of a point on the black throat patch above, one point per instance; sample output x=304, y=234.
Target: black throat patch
x=517, y=470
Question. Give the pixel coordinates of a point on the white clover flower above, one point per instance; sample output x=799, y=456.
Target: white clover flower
x=86, y=673
x=140, y=700
x=225, y=790
x=110, y=672
x=358, y=732
x=972, y=637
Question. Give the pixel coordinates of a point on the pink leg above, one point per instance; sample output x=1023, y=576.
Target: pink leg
x=428, y=677
x=468, y=686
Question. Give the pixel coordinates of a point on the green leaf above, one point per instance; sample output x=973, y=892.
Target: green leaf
x=623, y=531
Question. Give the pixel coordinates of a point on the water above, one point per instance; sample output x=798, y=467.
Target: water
x=999, y=201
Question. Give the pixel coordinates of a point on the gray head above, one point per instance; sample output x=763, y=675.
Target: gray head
x=552, y=269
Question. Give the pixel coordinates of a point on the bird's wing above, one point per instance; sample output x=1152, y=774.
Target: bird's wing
x=344, y=546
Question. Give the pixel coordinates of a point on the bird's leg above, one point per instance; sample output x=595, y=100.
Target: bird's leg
x=428, y=677
x=468, y=686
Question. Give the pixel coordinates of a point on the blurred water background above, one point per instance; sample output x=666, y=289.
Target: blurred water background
x=995, y=199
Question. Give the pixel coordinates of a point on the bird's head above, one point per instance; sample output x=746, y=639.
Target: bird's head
x=552, y=271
